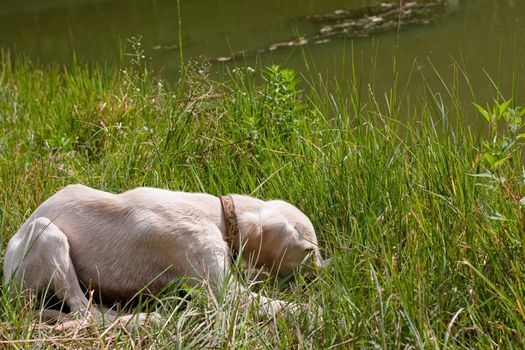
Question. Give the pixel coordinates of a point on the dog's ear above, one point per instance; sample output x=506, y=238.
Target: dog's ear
x=268, y=224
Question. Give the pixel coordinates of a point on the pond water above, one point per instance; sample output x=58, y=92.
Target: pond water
x=486, y=37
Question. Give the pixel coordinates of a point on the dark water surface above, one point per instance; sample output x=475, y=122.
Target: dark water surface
x=487, y=37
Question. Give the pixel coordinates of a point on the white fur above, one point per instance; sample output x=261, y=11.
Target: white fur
x=138, y=241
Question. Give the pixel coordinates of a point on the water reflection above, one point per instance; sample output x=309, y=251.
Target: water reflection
x=356, y=23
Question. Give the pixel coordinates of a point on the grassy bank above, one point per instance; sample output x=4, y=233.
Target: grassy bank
x=424, y=227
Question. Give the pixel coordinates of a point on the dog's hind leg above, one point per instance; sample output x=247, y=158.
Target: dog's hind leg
x=37, y=258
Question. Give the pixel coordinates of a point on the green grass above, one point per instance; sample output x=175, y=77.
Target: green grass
x=425, y=254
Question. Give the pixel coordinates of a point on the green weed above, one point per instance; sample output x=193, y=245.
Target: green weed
x=427, y=253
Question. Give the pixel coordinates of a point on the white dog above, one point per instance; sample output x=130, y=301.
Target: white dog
x=122, y=244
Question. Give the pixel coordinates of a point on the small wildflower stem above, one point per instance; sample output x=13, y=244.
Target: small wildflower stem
x=181, y=52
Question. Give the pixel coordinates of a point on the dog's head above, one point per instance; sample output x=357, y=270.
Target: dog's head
x=280, y=238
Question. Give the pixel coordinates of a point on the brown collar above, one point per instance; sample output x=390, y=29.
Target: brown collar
x=230, y=218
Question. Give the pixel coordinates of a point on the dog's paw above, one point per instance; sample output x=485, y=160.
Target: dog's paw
x=273, y=308
x=76, y=320
x=136, y=321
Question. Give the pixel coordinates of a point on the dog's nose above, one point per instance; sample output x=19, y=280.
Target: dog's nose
x=313, y=264
x=323, y=264
x=318, y=261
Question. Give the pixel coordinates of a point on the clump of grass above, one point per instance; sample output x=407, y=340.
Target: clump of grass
x=427, y=250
